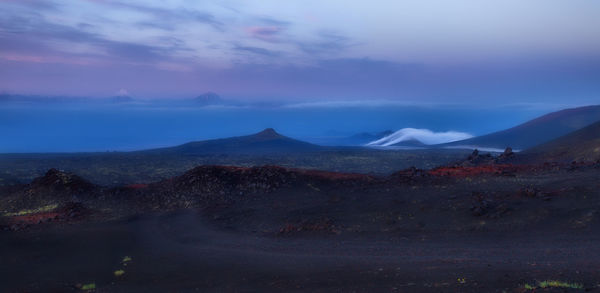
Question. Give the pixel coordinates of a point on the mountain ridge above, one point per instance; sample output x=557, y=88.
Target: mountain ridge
x=536, y=131
x=580, y=145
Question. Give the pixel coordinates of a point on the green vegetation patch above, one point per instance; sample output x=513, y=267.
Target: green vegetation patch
x=42, y=209
x=90, y=286
x=119, y=273
x=553, y=284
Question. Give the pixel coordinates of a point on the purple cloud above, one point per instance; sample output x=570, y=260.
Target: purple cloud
x=256, y=51
x=175, y=48
x=264, y=33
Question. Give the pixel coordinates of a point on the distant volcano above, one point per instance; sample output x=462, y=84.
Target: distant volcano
x=208, y=98
x=266, y=141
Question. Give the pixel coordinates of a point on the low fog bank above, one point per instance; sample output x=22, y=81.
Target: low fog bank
x=424, y=136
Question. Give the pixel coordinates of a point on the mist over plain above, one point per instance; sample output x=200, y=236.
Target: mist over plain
x=66, y=127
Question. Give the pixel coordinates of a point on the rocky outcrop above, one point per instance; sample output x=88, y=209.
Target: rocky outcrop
x=478, y=159
x=506, y=156
x=61, y=182
x=211, y=185
x=411, y=174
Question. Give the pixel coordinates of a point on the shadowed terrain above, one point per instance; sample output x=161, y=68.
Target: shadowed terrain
x=536, y=131
x=582, y=146
x=264, y=148
x=465, y=227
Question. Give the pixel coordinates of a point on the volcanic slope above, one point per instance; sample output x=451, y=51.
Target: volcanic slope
x=581, y=145
x=266, y=141
x=536, y=131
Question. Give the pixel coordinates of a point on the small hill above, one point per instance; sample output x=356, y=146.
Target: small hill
x=55, y=180
x=581, y=145
x=266, y=141
x=208, y=98
x=55, y=188
x=536, y=131
x=228, y=182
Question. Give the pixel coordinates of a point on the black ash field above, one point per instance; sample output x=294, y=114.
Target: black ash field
x=462, y=228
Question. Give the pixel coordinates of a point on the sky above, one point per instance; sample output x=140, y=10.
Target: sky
x=462, y=51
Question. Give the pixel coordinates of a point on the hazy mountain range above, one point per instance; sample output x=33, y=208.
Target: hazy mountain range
x=520, y=137
x=581, y=142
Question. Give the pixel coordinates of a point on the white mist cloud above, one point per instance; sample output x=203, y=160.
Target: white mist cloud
x=425, y=136
x=352, y=104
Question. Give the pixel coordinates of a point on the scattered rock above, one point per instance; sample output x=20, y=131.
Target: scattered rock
x=473, y=156
x=479, y=204
x=410, y=175
x=530, y=191
x=506, y=156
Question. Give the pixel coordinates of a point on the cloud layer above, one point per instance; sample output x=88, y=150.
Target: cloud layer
x=526, y=51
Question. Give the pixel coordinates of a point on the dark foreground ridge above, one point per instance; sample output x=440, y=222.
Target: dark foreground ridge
x=211, y=185
x=477, y=225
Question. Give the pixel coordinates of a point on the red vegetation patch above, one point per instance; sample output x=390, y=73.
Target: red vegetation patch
x=137, y=186
x=459, y=171
x=35, y=218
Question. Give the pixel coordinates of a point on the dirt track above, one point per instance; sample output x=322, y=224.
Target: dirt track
x=180, y=253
